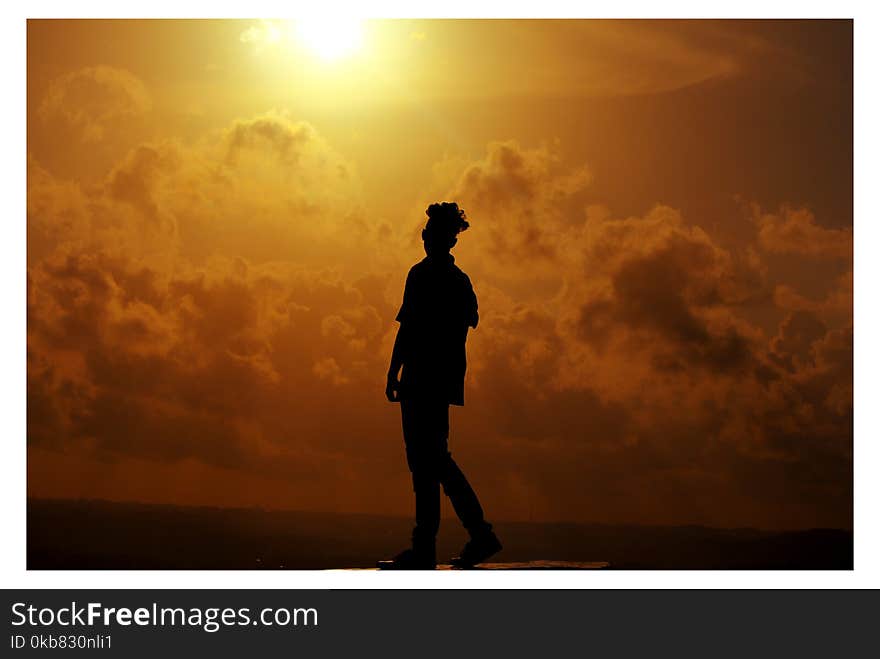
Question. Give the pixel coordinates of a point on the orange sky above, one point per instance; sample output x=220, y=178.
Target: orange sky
x=220, y=221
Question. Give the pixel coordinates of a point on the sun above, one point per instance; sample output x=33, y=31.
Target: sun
x=331, y=39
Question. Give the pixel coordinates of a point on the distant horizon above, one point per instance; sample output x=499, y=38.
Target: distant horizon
x=448, y=517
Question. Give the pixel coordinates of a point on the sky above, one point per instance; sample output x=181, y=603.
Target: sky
x=221, y=216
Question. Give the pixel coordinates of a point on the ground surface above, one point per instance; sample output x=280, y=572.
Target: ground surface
x=531, y=565
x=96, y=535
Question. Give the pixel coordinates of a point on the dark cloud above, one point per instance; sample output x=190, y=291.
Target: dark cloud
x=523, y=197
x=795, y=231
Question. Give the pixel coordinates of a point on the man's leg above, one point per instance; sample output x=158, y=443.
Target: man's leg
x=430, y=448
x=464, y=499
x=420, y=432
x=483, y=542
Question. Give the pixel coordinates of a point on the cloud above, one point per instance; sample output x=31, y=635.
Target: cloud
x=837, y=303
x=668, y=287
x=273, y=131
x=184, y=360
x=795, y=231
x=524, y=197
x=93, y=100
x=183, y=308
x=613, y=57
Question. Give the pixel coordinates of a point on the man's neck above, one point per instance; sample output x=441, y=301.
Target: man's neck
x=445, y=257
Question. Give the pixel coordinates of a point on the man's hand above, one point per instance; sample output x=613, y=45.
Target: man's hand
x=392, y=389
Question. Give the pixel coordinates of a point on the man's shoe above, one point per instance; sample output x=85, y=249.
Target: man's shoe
x=409, y=559
x=477, y=550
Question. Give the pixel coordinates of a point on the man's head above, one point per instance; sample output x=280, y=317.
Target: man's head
x=445, y=221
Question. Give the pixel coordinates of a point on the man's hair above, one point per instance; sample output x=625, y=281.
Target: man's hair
x=445, y=219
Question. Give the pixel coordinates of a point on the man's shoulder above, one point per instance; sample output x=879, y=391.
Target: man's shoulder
x=417, y=271
x=427, y=269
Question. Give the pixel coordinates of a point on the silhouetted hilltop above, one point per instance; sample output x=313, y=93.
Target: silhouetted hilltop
x=71, y=534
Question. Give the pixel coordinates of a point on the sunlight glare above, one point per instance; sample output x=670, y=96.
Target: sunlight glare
x=331, y=39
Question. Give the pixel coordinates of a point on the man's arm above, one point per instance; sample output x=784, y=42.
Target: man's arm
x=392, y=386
x=401, y=341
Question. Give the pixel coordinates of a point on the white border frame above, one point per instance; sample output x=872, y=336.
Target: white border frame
x=13, y=377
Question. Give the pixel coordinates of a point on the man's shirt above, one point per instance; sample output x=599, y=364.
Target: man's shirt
x=439, y=305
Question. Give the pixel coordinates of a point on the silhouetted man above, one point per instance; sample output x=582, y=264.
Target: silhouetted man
x=439, y=306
